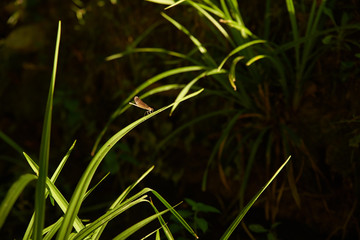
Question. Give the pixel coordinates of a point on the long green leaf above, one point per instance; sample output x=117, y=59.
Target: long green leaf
x=56, y=194
x=44, y=151
x=186, y=89
x=147, y=83
x=84, y=182
x=241, y=215
x=13, y=193
x=131, y=230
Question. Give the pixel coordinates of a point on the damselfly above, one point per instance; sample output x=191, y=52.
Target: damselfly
x=140, y=104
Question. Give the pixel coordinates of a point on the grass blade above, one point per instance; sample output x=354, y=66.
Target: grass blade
x=13, y=193
x=241, y=215
x=84, y=182
x=44, y=151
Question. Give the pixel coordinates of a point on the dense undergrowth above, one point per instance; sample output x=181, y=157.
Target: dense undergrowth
x=278, y=79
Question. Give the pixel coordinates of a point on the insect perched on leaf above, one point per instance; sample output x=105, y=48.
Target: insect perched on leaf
x=140, y=104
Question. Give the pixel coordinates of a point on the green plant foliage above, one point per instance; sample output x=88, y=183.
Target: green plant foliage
x=63, y=227
x=261, y=79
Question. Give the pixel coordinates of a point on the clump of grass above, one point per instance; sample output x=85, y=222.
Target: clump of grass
x=70, y=226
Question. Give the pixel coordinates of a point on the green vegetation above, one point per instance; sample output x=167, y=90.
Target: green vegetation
x=247, y=84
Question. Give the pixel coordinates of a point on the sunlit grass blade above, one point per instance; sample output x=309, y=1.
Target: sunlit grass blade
x=164, y=2
x=51, y=230
x=58, y=197
x=44, y=151
x=120, y=199
x=237, y=50
x=125, y=104
x=107, y=217
x=232, y=73
x=175, y=4
x=175, y=213
x=186, y=89
x=15, y=190
x=243, y=212
x=84, y=181
x=134, y=228
x=162, y=222
x=153, y=50
x=55, y=175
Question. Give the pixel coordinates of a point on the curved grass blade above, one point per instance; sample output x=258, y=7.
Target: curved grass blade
x=15, y=190
x=84, y=181
x=131, y=230
x=124, y=105
x=119, y=200
x=239, y=49
x=58, y=197
x=186, y=89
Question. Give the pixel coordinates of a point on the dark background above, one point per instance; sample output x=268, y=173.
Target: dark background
x=89, y=89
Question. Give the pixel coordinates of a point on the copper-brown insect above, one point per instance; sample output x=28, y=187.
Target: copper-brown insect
x=140, y=104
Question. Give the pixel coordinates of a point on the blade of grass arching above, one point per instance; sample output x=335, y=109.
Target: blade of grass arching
x=56, y=194
x=10, y=142
x=186, y=89
x=117, y=208
x=175, y=213
x=157, y=234
x=235, y=13
x=239, y=49
x=243, y=212
x=163, y=224
x=232, y=72
x=224, y=135
x=55, y=175
x=235, y=27
x=175, y=4
x=249, y=165
x=208, y=59
x=85, y=179
x=108, y=216
x=134, y=228
x=51, y=230
x=147, y=83
x=212, y=8
x=15, y=190
x=163, y=2
x=153, y=50
x=44, y=151
x=119, y=200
